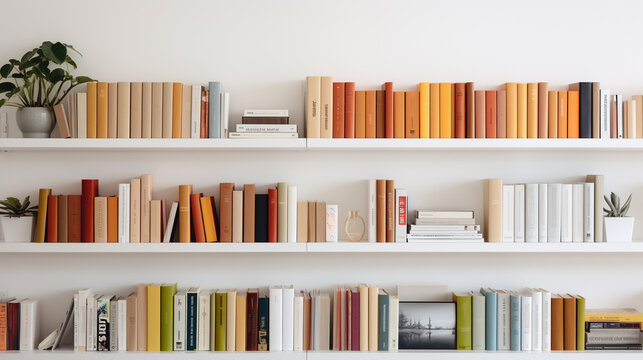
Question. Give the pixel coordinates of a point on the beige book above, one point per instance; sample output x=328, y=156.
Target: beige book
x=132, y=307
x=63, y=223
x=231, y=313
x=240, y=336
x=312, y=221
x=157, y=110
x=112, y=110
x=123, y=110
x=282, y=212
x=168, y=89
x=237, y=216
x=136, y=110
x=493, y=210
x=326, y=107
x=135, y=211
x=638, y=99
x=313, y=99
x=186, y=112
x=320, y=222
x=155, y=221
x=141, y=317
x=61, y=121
x=631, y=119
x=100, y=219
x=146, y=196
x=146, y=111
x=373, y=297
x=363, y=317
x=302, y=221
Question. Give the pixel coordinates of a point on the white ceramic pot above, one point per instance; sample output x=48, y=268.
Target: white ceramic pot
x=17, y=229
x=619, y=229
x=35, y=122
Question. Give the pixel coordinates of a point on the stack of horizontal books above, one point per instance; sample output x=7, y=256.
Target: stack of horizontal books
x=444, y=226
x=265, y=124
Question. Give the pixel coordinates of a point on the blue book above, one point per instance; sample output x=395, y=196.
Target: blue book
x=491, y=318
x=263, y=319
x=516, y=314
x=191, y=316
x=215, y=110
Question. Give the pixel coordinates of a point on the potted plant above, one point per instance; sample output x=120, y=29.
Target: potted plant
x=17, y=219
x=37, y=82
x=618, y=226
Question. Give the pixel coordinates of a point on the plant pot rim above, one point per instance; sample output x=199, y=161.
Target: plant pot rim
x=619, y=217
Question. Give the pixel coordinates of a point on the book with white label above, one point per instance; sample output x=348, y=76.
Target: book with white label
x=588, y=212
x=553, y=213
x=536, y=320
x=401, y=214
x=372, y=211
x=240, y=135
x=577, y=212
x=275, y=318
x=508, y=213
x=266, y=112
x=195, y=121
x=123, y=212
x=531, y=213
x=519, y=213
x=267, y=128
x=566, y=204
x=605, y=109
x=542, y=213
x=180, y=299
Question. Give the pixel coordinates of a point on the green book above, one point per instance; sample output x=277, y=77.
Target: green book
x=463, y=320
x=167, y=316
x=220, y=321
x=580, y=323
x=383, y=320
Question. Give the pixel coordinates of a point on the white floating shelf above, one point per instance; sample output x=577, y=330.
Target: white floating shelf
x=151, y=248
x=219, y=355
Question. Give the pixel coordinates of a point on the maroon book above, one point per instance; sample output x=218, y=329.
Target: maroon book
x=13, y=325
x=52, y=219
x=354, y=320
x=252, y=318
x=89, y=192
x=272, y=215
x=388, y=108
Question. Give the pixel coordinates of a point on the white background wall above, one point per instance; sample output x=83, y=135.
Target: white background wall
x=261, y=51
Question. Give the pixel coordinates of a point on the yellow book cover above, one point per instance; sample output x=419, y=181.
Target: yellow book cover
x=41, y=218
x=532, y=110
x=208, y=220
x=92, y=98
x=522, y=111
x=101, y=110
x=512, y=110
x=445, y=110
x=434, y=110
x=425, y=100
x=240, y=337
x=153, y=318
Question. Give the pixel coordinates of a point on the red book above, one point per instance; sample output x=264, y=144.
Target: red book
x=13, y=325
x=388, y=109
x=354, y=321
x=52, y=219
x=73, y=218
x=252, y=315
x=460, y=110
x=490, y=113
x=197, y=217
x=338, y=109
x=272, y=215
x=349, y=110
x=89, y=192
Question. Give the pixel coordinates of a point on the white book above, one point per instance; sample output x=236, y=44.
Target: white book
x=531, y=213
x=237, y=216
x=401, y=214
x=266, y=112
x=292, y=214
x=605, y=114
x=566, y=204
x=123, y=212
x=546, y=322
x=619, y=115
x=519, y=213
x=542, y=213
x=288, y=307
x=477, y=321
x=122, y=325
x=180, y=301
x=237, y=135
x=577, y=213
x=29, y=324
x=195, y=126
x=525, y=322
x=298, y=323
x=275, y=318
x=81, y=106
x=508, y=213
x=113, y=324
x=372, y=210
x=536, y=320
x=203, y=322
x=92, y=320
x=394, y=318
x=588, y=212
x=503, y=336
x=274, y=128
x=225, y=114
x=553, y=213
x=80, y=320
x=332, y=219
x=167, y=236
x=75, y=319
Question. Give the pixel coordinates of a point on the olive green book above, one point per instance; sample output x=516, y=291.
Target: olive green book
x=580, y=323
x=167, y=316
x=463, y=320
x=221, y=307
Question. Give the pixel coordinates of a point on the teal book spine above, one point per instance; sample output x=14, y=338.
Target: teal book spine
x=383, y=312
x=263, y=316
x=491, y=319
x=214, y=111
x=515, y=314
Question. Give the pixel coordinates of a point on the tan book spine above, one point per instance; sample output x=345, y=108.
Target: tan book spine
x=631, y=119
x=326, y=107
x=131, y=327
x=512, y=110
x=186, y=112
x=146, y=111
x=363, y=317
x=543, y=103
x=157, y=110
x=249, y=213
x=123, y=110
x=63, y=219
x=41, y=219
x=553, y=114
x=639, y=116
x=91, y=110
x=184, y=213
x=381, y=210
x=390, y=210
x=112, y=110
x=493, y=210
x=141, y=317
x=146, y=196
x=225, y=207
x=168, y=90
x=312, y=221
x=434, y=110
x=136, y=110
x=101, y=110
x=481, y=121
x=61, y=121
x=522, y=111
x=155, y=221
x=596, y=110
x=112, y=219
x=135, y=211
x=373, y=312
x=231, y=313
x=302, y=221
x=313, y=99
x=237, y=216
x=240, y=334
x=320, y=225
x=501, y=114
x=532, y=110
x=177, y=112
x=100, y=219
x=282, y=212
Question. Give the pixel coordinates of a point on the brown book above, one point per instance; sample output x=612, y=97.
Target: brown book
x=225, y=207
x=349, y=111
x=307, y=322
x=73, y=218
x=63, y=218
x=398, y=114
x=302, y=221
x=543, y=102
x=203, y=132
x=249, y=213
x=381, y=210
x=101, y=110
x=412, y=114
x=370, y=113
x=613, y=119
x=155, y=221
x=112, y=110
x=470, y=109
x=339, y=92
x=136, y=110
x=184, y=213
x=320, y=226
x=157, y=110
x=177, y=102
x=112, y=219
x=52, y=219
x=390, y=210
x=562, y=114
x=141, y=317
x=261, y=120
x=387, y=87
x=61, y=121
x=41, y=218
x=552, y=117
x=501, y=114
x=380, y=114
x=569, y=310
x=490, y=114
x=168, y=91
x=146, y=110
x=312, y=221
x=492, y=202
x=360, y=114
x=252, y=310
x=100, y=219
x=135, y=211
x=557, y=323
x=123, y=110
x=481, y=131
x=146, y=196
x=459, y=102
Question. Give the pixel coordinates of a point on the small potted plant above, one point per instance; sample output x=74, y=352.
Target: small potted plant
x=17, y=219
x=37, y=82
x=618, y=226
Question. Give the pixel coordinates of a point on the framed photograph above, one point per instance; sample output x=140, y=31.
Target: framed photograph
x=426, y=325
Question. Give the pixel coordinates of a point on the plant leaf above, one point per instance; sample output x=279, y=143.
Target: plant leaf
x=2, y=102
x=28, y=55
x=56, y=75
x=71, y=62
x=30, y=63
x=6, y=87
x=5, y=70
x=54, y=52
x=83, y=79
x=609, y=203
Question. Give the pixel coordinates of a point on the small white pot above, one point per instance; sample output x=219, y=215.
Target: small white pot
x=17, y=229
x=619, y=229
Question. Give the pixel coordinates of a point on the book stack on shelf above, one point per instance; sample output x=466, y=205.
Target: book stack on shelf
x=613, y=329
x=265, y=124
x=445, y=226
x=19, y=326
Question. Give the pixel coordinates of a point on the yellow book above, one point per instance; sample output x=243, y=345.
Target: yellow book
x=425, y=99
x=373, y=316
x=445, y=110
x=153, y=318
x=101, y=110
x=92, y=98
x=240, y=337
x=41, y=219
x=434, y=110
x=532, y=110
x=613, y=315
x=177, y=103
x=522, y=111
x=512, y=110
x=208, y=220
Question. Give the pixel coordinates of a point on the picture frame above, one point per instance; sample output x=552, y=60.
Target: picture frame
x=426, y=325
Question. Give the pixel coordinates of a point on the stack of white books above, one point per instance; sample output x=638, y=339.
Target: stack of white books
x=265, y=124
x=444, y=226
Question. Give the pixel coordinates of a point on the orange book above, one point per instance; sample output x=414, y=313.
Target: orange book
x=569, y=311
x=460, y=109
x=445, y=110
x=349, y=110
x=501, y=114
x=387, y=87
x=52, y=219
x=490, y=114
x=425, y=100
x=380, y=114
x=184, y=213
x=512, y=110
x=532, y=110
x=112, y=219
x=101, y=110
x=434, y=110
x=412, y=111
x=3, y=326
x=398, y=114
x=338, y=110
x=209, y=225
x=92, y=98
x=360, y=114
x=370, y=113
x=225, y=207
x=562, y=114
x=197, y=217
x=480, y=110
x=573, y=115
x=553, y=114
x=177, y=103
x=522, y=110
x=453, y=111
x=543, y=103
x=557, y=323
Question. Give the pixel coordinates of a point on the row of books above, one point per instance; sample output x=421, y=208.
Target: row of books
x=613, y=329
x=387, y=211
x=19, y=326
x=444, y=226
x=544, y=212
x=457, y=110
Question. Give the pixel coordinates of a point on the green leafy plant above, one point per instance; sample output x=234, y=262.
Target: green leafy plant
x=615, y=208
x=41, y=77
x=12, y=207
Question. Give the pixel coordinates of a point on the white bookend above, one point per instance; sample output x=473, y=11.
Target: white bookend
x=298, y=323
x=288, y=307
x=225, y=114
x=203, y=321
x=605, y=114
x=123, y=212
x=401, y=214
x=619, y=116
x=195, y=126
x=577, y=213
x=113, y=325
x=394, y=318
x=566, y=215
x=372, y=211
x=542, y=213
x=503, y=328
x=508, y=213
x=588, y=212
x=546, y=322
x=536, y=320
x=81, y=109
x=180, y=312
x=519, y=213
x=477, y=321
x=167, y=235
x=29, y=324
x=531, y=213
x=91, y=322
x=332, y=219
x=292, y=214
x=553, y=213
x=525, y=322
x=275, y=318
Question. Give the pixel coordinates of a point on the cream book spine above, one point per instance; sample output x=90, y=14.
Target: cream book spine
x=519, y=217
x=112, y=110
x=599, y=190
x=292, y=214
x=225, y=114
x=81, y=110
x=123, y=213
x=531, y=213
x=542, y=213
x=577, y=213
x=332, y=218
x=525, y=322
x=536, y=320
x=168, y=92
x=237, y=216
x=588, y=212
x=298, y=323
x=80, y=319
x=553, y=213
x=394, y=315
x=195, y=129
x=146, y=111
x=546, y=319
x=136, y=110
x=179, y=339
x=155, y=221
x=123, y=110
x=29, y=324
x=91, y=322
x=100, y=219
x=157, y=110
x=186, y=112
x=631, y=119
x=135, y=211
x=282, y=212
x=122, y=325
x=288, y=300
x=508, y=213
x=566, y=213
x=146, y=196
x=363, y=317
x=372, y=210
x=478, y=322
x=313, y=98
x=326, y=107
x=231, y=314
x=493, y=210
x=203, y=321
x=275, y=318
x=373, y=296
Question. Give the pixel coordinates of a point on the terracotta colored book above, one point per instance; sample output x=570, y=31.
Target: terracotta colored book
x=460, y=110
x=445, y=110
x=225, y=207
x=123, y=110
x=388, y=110
x=370, y=113
x=569, y=311
x=522, y=112
x=501, y=114
x=552, y=118
x=543, y=102
x=89, y=191
x=249, y=213
x=434, y=110
x=412, y=114
x=100, y=219
x=490, y=114
x=177, y=103
x=425, y=100
x=470, y=110
x=349, y=110
x=390, y=211
x=380, y=114
x=613, y=119
x=398, y=114
x=112, y=219
x=452, y=111
x=480, y=99
x=92, y=98
x=562, y=114
x=307, y=322
x=360, y=114
x=512, y=110
x=320, y=219
x=272, y=215
x=339, y=92
x=557, y=323
x=52, y=218
x=184, y=213
x=112, y=110
x=136, y=110
x=209, y=219
x=312, y=221
x=197, y=217
x=157, y=110
x=532, y=110
x=572, y=115
x=381, y=210
x=101, y=110
x=63, y=221
x=74, y=218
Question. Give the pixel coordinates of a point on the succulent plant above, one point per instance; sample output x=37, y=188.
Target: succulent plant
x=12, y=207
x=615, y=208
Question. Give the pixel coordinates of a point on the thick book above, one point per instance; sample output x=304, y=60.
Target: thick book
x=331, y=224
x=387, y=87
x=291, y=210
x=197, y=217
x=231, y=312
x=225, y=207
x=249, y=213
x=103, y=309
x=29, y=324
x=585, y=109
x=360, y=114
x=320, y=221
x=470, y=124
x=261, y=217
x=532, y=110
x=339, y=92
x=463, y=320
x=566, y=213
x=205, y=325
x=153, y=318
x=146, y=111
x=580, y=323
x=557, y=323
x=493, y=210
x=512, y=110
x=398, y=114
x=313, y=100
x=434, y=110
x=312, y=221
x=491, y=319
x=543, y=196
x=272, y=215
x=74, y=214
x=252, y=312
x=380, y=114
x=412, y=115
x=401, y=214
x=349, y=110
x=136, y=110
x=123, y=213
x=287, y=331
x=599, y=187
x=326, y=107
x=531, y=213
x=546, y=319
x=275, y=318
x=298, y=322
x=302, y=221
x=240, y=323
x=167, y=293
x=135, y=210
x=373, y=317
x=132, y=320
x=89, y=191
x=522, y=110
x=237, y=216
x=425, y=99
x=490, y=117
x=282, y=212
x=536, y=319
x=480, y=114
x=52, y=218
x=214, y=109
x=525, y=321
x=569, y=320
x=195, y=112
x=478, y=305
x=371, y=233
x=61, y=121
x=553, y=212
x=370, y=112
x=519, y=213
x=141, y=317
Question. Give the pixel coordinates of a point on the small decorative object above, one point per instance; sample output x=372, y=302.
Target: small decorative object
x=354, y=226
x=38, y=81
x=17, y=219
x=426, y=325
x=618, y=226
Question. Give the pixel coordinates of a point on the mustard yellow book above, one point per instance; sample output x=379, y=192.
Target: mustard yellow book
x=101, y=110
x=153, y=318
x=522, y=111
x=553, y=114
x=532, y=110
x=512, y=110
x=208, y=220
x=613, y=315
x=434, y=110
x=41, y=219
x=445, y=110
x=92, y=98
x=425, y=100
x=240, y=337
